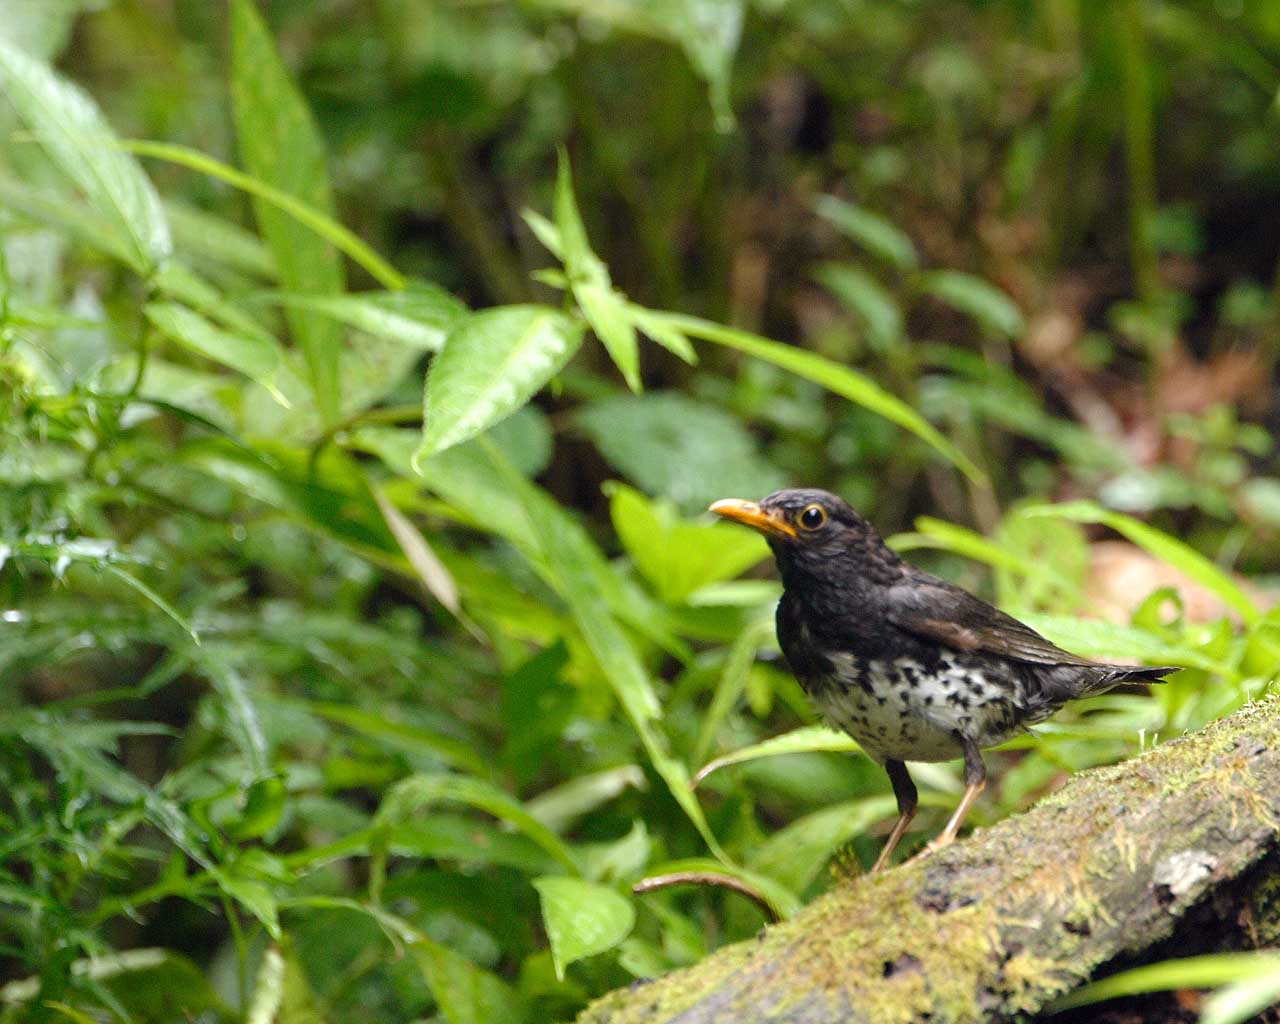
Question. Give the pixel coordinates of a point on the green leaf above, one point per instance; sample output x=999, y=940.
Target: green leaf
x=609, y=316
x=663, y=333
x=255, y=356
x=1108, y=641
x=280, y=144
x=465, y=993
x=384, y=725
x=871, y=231
x=39, y=27
x=418, y=792
x=732, y=681
x=679, y=448
x=796, y=854
x=305, y=214
x=604, y=308
x=838, y=379
x=807, y=740
x=68, y=125
x=867, y=299
x=1245, y=999
x=1168, y=549
x=980, y=299
x=582, y=918
x=572, y=565
x=560, y=806
x=420, y=315
x=214, y=239
x=1206, y=971
x=679, y=556
x=580, y=263
x=79, y=220
x=492, y=364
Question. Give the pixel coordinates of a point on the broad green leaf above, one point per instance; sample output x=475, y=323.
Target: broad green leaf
x=807, y=740
x=679, y=556
x=493, y=362
x=1168, y=549
x=465, y=993
x=420, y=316
x=980, y=299
x=255, y=356
x=794, y=855
x=68, y=125
x=677, y=447
x=281, y=145
x=867, y=299
x=871, y=231
x=418, y=792
x=77, y=219
x=1208, y=971
x=582, y=918
x=838, y=379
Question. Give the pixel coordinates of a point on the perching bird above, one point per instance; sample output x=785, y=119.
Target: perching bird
x=912, y=667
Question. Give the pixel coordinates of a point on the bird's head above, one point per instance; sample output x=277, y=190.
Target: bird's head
x=813, y=533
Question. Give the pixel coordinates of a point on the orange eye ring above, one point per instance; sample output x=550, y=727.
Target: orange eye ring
x=814, y=517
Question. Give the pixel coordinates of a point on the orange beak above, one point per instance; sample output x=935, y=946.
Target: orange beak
x=748, y=513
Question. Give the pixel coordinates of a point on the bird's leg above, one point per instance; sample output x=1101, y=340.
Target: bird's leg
x=905, y=790
x=975, y=778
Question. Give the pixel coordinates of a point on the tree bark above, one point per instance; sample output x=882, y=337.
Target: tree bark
x=1168, y=854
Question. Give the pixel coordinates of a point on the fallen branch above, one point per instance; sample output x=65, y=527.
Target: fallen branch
x=1166, y=853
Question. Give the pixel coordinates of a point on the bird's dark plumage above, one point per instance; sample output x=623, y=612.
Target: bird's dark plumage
x=913, y=667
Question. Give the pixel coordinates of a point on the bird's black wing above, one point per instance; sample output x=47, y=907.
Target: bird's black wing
x=944, y=613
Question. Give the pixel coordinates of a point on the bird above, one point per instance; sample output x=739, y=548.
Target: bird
x=911, y=666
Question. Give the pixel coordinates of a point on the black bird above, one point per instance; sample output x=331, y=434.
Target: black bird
x=911, y=666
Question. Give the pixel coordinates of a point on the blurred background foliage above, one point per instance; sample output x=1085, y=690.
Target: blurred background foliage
x=313, y=713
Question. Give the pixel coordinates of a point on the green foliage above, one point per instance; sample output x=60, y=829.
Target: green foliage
x=363, y=642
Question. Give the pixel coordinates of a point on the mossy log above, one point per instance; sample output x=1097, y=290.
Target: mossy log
x=1170, y=853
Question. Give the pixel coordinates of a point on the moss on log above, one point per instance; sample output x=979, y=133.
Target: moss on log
x=1000, y=924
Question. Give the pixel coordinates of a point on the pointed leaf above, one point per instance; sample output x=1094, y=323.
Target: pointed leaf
x=871, y=231
x=68, y=124
x=257, y=357
x=838, y=379
x=606, y=311
x=582, y=918
x=465, y=993
x=419, y=316
x=492, y=364
x=280, y=144
x=980, y=299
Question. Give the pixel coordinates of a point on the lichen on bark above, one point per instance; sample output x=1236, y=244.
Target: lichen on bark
x=997, y=926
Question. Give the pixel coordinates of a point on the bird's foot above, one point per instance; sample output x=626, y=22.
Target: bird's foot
x=940, y=843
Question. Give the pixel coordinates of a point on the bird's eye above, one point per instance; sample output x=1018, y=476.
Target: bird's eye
x=813, y=517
